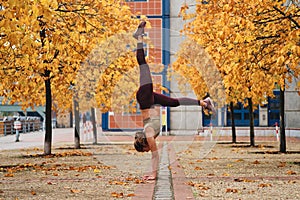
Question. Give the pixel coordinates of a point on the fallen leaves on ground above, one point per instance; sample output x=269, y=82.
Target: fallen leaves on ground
x=9, y=175
x=256, y=162
x=117, y=183
x=230, y=190
x=292, y=181
x=139, y=181
x=61, y=154
x=187, y=151
x=135, y=180
x=262, y=185
x=121, y=195
x=45, y=167
x=290, y=172
x=97, y=170
x=199, y=186
x=245, y=180
x=239, y=160
x=197, y=168
x=75, y=191
x=117, y=195
x=127, y=180
x=281, y=164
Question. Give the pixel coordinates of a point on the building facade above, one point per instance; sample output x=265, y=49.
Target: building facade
x=157, y=12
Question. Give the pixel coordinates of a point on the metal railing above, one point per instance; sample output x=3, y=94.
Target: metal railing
x=29, y=124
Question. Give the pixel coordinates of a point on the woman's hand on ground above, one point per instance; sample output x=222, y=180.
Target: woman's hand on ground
x=149, y=177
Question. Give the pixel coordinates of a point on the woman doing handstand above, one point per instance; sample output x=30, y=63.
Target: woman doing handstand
x=145, y=140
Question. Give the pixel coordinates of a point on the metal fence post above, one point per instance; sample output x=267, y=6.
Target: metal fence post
x=4, y=129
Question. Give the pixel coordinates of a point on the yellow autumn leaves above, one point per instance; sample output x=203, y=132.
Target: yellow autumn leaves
x=55, y=40
x=254, y=45
x=235, y=50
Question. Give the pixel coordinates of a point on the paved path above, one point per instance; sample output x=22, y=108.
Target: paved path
x=35, y=139
x=171, y=181
x=59, y=136
x=164, y=187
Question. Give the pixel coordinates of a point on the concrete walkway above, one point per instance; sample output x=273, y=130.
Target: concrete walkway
x=36, y=139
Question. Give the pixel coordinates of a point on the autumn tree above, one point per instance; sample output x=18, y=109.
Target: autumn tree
x=279, y=25
x=191, y=68
x=250, y=43
x=43, y=44
x=102, y=70
x=99, y=74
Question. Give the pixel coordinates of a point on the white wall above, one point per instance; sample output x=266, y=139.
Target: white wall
x=187, y=118
x=292, y=106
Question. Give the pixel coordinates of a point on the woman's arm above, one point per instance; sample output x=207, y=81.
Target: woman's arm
x=154, y=151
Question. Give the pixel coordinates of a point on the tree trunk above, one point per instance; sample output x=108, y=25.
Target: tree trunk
x=77, y=125
x=48, y=124
x=232, y=123
x=71, y=119
x=93, y=118
x=251, y=115
x=282, y=123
